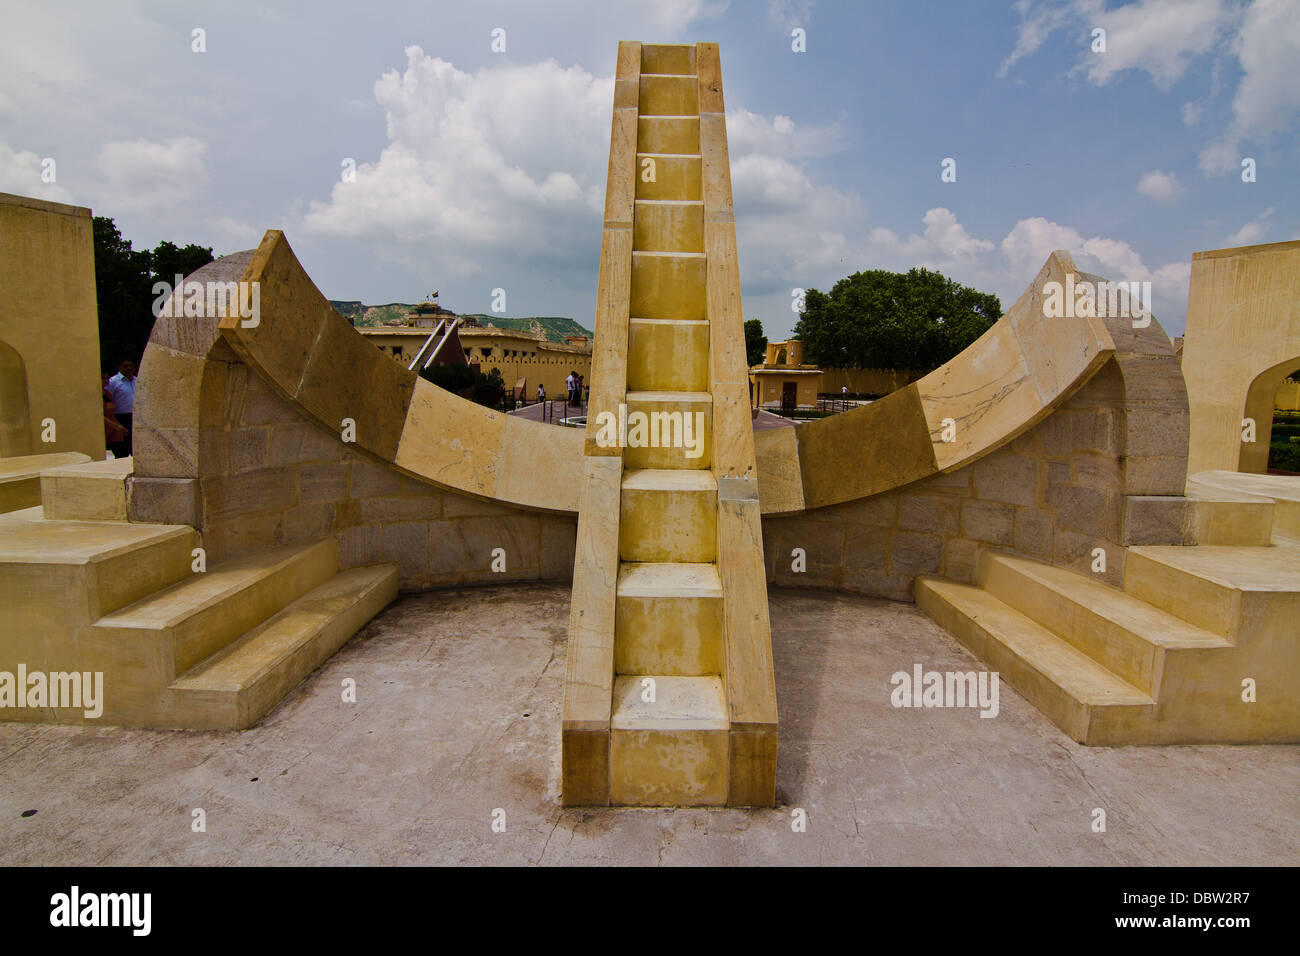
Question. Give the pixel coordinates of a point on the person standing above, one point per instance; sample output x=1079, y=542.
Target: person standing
x=122, y=387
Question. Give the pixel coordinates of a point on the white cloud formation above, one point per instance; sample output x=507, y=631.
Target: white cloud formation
x=21, y=174
x=509, y=157
x=788, y=14
x=143, y=175
x=1252, y=233
x=1268, y=97
x=1161, y=186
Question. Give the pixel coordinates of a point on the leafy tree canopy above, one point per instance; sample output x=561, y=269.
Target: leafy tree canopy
x=484, y=388
x=915, y=320
x=124, y=280
x=755, y=342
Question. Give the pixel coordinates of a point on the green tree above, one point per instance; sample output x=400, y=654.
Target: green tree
x=486, y=389
x=876, y=319
x=124, y=282
x=755, y=342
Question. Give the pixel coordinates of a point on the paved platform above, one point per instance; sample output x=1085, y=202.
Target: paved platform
x=457, y=714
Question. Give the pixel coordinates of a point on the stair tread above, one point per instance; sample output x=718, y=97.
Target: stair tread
x=197, y=592
x=665, y=396
x=1054, y=657
x=28, y=537
x=670, y=321
x=1132, y=613
x=1239, y=567
x=681, y=703
x=1244, y=486
x=266, y=645
x=669, y=479
x=668, y=579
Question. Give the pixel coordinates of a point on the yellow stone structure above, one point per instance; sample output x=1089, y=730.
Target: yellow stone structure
x=49, y=331
x=1032, y=495
x=783, y=380
x=1242, y=342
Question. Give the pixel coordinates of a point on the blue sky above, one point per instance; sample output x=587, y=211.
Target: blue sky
x=480, y=170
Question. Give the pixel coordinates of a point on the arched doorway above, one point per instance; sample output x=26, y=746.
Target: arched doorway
x=15, y=412
x=1260, y=400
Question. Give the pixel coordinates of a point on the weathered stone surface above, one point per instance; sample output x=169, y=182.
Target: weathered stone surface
x=1150, y=519
x=323, y=482
x=930, y=513
x=163, y=500
x=915, y=553
x=1033, y=532
x=989, y=521
x=1005, y=477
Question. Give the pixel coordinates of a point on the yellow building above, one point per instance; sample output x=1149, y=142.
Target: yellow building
x=783, y=381
x=515, y=353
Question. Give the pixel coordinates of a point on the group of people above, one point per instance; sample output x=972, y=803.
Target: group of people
x=119, y=406
x=574, y=384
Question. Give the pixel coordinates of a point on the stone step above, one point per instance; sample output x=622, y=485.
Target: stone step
x=20, y=477
x=667, y=58
x=668, y=620
x=663, y=441
x=163, y=635
x=671, y=751
x=87, y=491
x=1283, y=491
x=66, y=574
x=668, y=225
x=668, y=355
x=668, y=515
x=668, y=94
x=1124, y=634
x=242, y=682
x=675, y=176
x=667, y=285
x=668, y=134
x=1235, y=592
x=1087, y=701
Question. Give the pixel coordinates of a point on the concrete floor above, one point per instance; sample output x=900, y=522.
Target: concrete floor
x=457, y=714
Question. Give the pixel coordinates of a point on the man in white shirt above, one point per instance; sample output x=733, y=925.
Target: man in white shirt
x=122, y=388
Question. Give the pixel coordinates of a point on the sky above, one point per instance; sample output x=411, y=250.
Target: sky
x=481, y=169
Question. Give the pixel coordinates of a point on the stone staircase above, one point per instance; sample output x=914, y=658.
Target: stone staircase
x=1164, y=660
x=663, y=677
x=178, y=648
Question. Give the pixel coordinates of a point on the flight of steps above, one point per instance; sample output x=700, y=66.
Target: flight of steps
x=669, y=722
x=215, y=649
x=1166, y=659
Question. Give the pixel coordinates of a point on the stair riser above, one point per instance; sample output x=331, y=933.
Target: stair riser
x=668, y=96
x=668, y=356
x=657, y=525
x=1196, y=600
x=678, y=134
x=664, y=444
x=125, y=578
x=667, y=287
x=84, y=498
x=660, y=58
x=668, y=227
x=652, y=768
x=676, y=636
x=1243, y=523
x=675, y=177
x=1120, y=650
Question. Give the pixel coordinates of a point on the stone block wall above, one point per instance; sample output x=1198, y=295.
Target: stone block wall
x=1053, y=494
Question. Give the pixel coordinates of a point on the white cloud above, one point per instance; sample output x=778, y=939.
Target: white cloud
x=1161, y=186
x=1268, y=97
x=20, y=174
x=512, y=158
x=1160, y=37
x=1251, y=233
x=143, y=175
x=788, y=14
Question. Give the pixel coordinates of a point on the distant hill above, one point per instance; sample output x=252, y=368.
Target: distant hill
x=553, y=326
